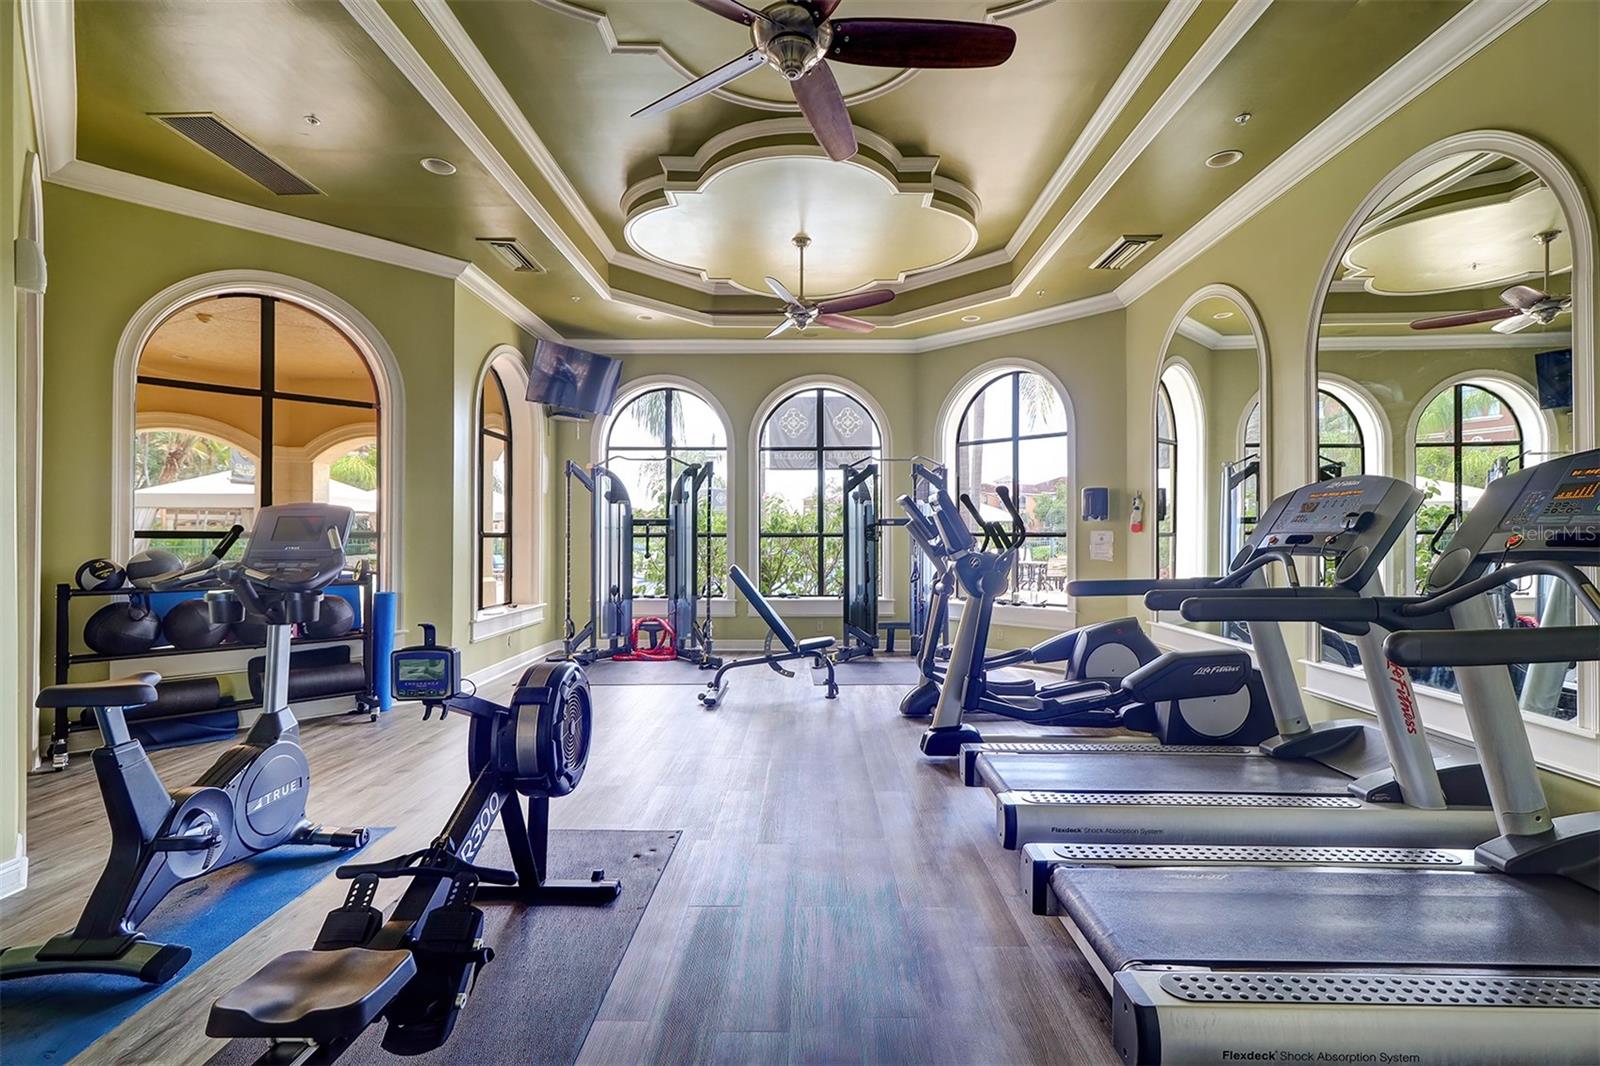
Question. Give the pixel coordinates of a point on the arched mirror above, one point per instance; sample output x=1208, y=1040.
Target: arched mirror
x=1445, y=357
x=1208, y=478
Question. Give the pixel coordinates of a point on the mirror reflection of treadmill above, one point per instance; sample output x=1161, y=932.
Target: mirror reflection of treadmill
x=1495, y=961
x=1345, y=784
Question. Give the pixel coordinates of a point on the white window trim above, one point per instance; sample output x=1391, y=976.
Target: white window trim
x=30, y=473
x=764, y=411
x=1189, y=431
x=1566, y=748
x=356, y=327
x=949, y=424
x=1053, y=618
x=1580, y=222
x=632, y=390
x=495, y=621
x=1170, y=636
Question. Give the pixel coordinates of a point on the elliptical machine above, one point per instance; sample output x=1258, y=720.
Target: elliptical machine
x=416, y=968
x=253, y=797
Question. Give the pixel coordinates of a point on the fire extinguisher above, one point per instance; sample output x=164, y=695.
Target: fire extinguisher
x=1136, y=518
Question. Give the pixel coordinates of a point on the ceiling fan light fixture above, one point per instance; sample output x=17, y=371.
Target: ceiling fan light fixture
x=1124, y=250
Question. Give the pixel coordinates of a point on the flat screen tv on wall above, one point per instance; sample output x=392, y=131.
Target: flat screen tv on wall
x=1554, y=371
x=571, y=382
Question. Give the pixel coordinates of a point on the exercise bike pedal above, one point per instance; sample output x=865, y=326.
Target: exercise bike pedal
x=337, y=837
x=186, y=842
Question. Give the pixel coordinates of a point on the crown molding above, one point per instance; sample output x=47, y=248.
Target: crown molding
x=1452, y=44
x=132, y=188
x=490, y=291
x=49, y=47
x=1446, y=342
x=1212, y=339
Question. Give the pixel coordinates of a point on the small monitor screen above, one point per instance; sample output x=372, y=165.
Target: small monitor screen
x=298, y=528
x=422, y=670
x=570, y=379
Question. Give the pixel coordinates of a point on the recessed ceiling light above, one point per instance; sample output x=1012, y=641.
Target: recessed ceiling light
x=1038, y=292
x=574, y=299
x=1225, y=158
x=971, y=318
x=1220, y=315
x=1242, y=117
x=647, y=318
x=442, y=167
x=313, y=120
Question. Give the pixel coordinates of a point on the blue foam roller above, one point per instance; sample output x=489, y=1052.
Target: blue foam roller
x=385, y=617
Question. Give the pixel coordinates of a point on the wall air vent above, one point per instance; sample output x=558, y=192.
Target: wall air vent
x=513, y=254
x=1124, y=250
x=210, y=133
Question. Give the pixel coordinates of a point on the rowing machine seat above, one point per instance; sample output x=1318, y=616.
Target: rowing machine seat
x=325, y=996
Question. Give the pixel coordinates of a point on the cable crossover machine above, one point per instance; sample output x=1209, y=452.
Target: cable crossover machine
x=611, y=631
x=863, y=548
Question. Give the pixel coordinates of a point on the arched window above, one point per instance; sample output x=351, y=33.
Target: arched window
x=246, y=400
x=805, y=439
x=1466, y=436
x=1181, y=505
x=650, y=439
x=1014, y=432
x=1166, y=482
x=496, y=494
x=1341, y=446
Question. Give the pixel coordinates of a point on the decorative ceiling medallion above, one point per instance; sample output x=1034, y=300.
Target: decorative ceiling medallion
x=730, y=211
x=626, y=29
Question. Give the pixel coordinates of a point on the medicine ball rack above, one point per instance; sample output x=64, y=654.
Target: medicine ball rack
x=66, y=659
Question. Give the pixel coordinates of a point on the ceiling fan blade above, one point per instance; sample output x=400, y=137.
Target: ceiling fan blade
x=921, y=43
x=782, y=292
x=823, y=9
x=736, y=68
x=1465, y=318
x=871, y=298
x=787, y=323
x=854, y=325
x=731, y=10
x=823, y=105
x=1523, y=296
x=1516, y=323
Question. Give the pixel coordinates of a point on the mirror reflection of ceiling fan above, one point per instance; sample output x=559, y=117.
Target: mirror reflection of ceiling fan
x=1525, y=305
x=795, y=38
x=797, y=314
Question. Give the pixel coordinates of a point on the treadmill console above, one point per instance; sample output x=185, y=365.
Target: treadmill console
x=1353, y=521
x=1549, y=511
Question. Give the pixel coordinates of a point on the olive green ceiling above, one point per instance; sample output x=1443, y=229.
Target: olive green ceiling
x=1001, y=133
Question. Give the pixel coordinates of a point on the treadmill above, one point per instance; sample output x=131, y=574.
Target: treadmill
x=1423, y=965
x=1342, y=783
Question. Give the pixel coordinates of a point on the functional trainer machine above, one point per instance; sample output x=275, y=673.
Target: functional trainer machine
x=611, y=630
x=863, y=550
x=252, y=798
x=1344, y=782
x=1425, y=964
x=416, y=968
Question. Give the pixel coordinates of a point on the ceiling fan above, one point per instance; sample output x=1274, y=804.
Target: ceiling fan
x=797, y=314
x=795, y=38
x=1525, y=305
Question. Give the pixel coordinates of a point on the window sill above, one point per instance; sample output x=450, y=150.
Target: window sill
x=816, y=606
x=1561, y=747
x=1055, y=618
x=497, y=621
x=1171, y=637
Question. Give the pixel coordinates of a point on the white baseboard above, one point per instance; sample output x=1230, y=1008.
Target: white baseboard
x=14, y=871
x=512, y=664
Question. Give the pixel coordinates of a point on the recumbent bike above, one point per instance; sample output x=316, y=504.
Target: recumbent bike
x=252, y=798
x=416, y=968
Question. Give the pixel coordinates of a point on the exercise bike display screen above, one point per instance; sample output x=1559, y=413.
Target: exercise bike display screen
x=298, y=528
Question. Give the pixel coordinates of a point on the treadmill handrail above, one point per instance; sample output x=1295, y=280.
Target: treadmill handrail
x=1587, y=594
x=1345, y=608
x=1493, y=647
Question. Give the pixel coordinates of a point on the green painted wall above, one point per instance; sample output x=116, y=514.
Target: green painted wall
x=16, y=140
x=1277, y=257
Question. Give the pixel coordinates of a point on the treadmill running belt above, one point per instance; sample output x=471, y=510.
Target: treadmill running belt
x=1123, y=772
x=1272, y=917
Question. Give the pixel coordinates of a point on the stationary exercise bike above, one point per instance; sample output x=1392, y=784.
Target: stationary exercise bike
x=416, y=968
x=251, y=799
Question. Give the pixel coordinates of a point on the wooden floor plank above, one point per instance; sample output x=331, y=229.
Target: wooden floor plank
x=835, y=897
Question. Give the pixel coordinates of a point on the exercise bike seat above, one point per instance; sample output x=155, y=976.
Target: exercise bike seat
x=135, y=690
x=325, y=996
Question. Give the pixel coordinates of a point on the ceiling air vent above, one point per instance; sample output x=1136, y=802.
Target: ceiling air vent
x=209, y=133
x=1124, y=250
x=513, y=254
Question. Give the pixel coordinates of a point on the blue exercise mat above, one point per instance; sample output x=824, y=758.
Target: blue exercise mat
x=51, y=1019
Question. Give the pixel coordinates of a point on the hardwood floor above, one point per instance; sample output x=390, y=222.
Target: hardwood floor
x=835, y=897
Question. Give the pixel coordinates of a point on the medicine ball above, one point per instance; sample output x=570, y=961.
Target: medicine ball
x=152, y=565
x=100, y=575
x=335, y=618
x=122, y=629
x=188, y=625
x=251, y=631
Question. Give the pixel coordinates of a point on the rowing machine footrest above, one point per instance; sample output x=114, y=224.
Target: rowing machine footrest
x=449, y=953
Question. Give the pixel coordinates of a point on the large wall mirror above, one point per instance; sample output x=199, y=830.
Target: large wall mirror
x=1445, y=356
x=1209, y=467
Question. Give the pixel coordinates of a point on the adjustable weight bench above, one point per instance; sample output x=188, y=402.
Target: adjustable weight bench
x=813, y=648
